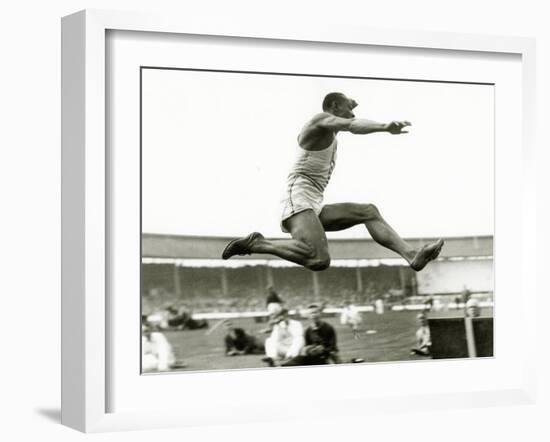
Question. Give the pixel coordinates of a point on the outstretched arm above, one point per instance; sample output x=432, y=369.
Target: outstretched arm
x=359, y=125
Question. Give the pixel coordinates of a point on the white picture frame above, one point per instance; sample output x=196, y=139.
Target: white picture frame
x=86, y=205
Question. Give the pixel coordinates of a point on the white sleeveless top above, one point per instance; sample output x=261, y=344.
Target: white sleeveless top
x=315, y=165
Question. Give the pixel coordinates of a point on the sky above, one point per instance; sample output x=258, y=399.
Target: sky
x=217, y=148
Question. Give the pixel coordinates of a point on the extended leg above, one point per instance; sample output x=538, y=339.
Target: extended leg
x=308, y=246
x=345, y=215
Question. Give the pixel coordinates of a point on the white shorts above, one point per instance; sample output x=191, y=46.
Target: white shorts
x=301, y=195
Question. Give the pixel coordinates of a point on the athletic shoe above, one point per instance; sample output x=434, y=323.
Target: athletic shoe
x=178, y=364
x=426, y=254
x=241, y=246
x=269, y=361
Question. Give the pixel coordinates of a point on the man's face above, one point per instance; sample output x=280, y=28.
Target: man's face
x=344, y=107
x=315, y=315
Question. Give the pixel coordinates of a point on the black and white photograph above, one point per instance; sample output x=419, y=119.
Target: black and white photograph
x=275, y=221
x=305, y=220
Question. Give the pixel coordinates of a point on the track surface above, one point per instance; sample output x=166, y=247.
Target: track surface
x=394, y=337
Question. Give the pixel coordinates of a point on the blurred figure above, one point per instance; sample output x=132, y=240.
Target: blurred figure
x=429, y=304
x=472, y=308
x=182, y=319
x=458, y=300
x=273, y=302
x=156, y=351
x=159, y=319
x=379, y=306
x=286, y=340
x=423, y=337
x=239, y=342
x=352, y=317
x=320, y=342
x=177, y=317
x=466, y=295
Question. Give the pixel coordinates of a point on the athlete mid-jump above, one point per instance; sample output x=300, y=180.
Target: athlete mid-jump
x=306, y=219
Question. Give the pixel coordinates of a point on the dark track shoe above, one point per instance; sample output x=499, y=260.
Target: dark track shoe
x=426, y=254
x=241, y=246
x=269, y=361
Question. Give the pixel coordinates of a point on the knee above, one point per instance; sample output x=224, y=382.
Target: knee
x=319, y=263
x=369, y=211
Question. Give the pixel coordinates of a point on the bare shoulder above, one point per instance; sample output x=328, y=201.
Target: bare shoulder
x=330, y=122
x=318, y=118
x=313, y=135
x=316, y=123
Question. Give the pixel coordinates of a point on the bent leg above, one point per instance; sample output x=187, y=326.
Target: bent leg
x=308, y=246
x=345, y=215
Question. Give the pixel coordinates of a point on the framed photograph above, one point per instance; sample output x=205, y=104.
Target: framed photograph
x=206, y=256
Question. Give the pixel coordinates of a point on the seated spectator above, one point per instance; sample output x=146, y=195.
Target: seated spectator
x=177, y=317
x=423, y=337
x=239, y=342
x=159, y=319
x=182, y=319
x=320, y=342
x=286, y=340
x=157, y=353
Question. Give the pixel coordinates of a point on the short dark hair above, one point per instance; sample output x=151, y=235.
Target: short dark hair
x=332, y=98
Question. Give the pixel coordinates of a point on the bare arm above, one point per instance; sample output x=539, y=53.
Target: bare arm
x=358, y=125
x=361, y=126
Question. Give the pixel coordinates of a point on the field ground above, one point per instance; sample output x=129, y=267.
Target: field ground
x=393, y=340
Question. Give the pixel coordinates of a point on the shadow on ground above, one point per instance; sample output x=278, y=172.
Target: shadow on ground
x=51, y=414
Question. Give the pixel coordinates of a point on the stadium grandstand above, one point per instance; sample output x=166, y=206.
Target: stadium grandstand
x=187, y=270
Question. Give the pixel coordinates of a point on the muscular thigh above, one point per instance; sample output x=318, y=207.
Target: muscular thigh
x=305, y=226
x=341, y=216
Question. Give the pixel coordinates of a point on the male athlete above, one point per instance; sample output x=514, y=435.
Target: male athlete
x=303, y=214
